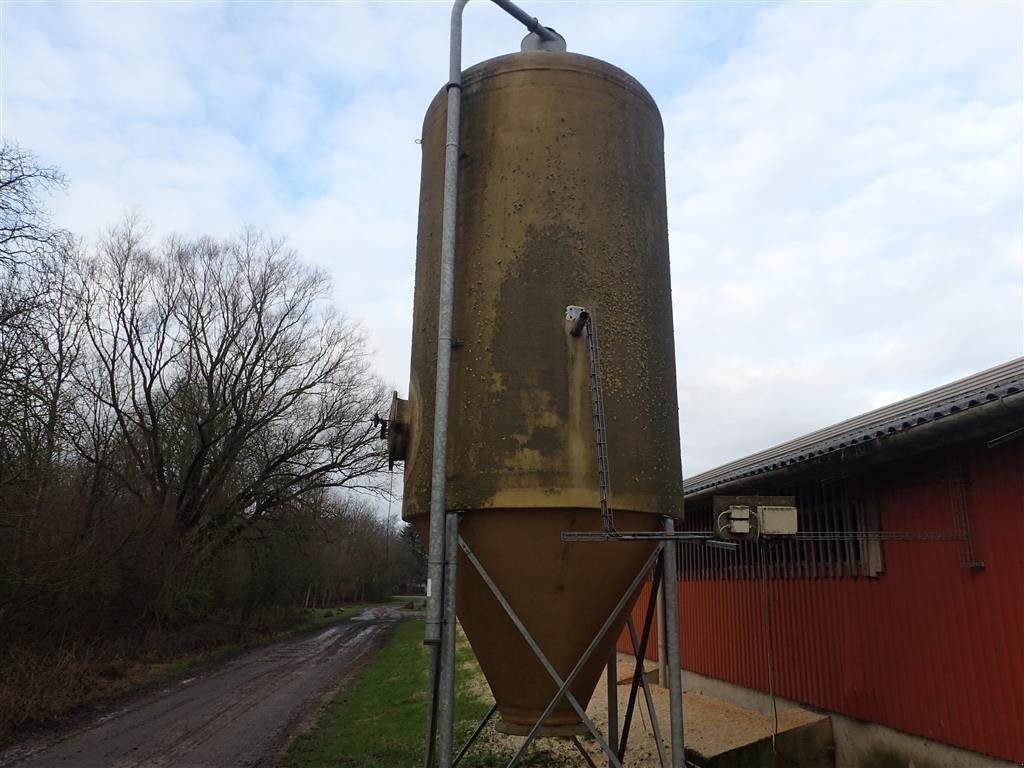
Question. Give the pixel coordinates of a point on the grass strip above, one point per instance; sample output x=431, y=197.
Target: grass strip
x=380, y=720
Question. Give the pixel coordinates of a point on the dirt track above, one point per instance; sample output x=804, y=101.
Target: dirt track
x=240, y=714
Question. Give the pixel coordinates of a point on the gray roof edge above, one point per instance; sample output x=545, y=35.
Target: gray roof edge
x=956, y=397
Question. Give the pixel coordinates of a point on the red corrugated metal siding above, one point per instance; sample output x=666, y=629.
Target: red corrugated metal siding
x=624, y=645
x=929, y=647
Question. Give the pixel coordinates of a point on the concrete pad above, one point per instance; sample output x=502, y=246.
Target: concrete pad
x=723, y=735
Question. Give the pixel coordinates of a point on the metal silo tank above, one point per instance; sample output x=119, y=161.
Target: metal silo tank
x=561, y=202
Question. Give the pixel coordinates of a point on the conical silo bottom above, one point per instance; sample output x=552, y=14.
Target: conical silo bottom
x=562, y=592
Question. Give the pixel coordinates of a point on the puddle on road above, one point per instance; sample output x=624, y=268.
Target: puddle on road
x=377, y=613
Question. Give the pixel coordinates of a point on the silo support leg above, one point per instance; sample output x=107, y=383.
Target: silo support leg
x=434, y=652
x=476, y=734
x=675, y=677
x=446, y=698
x=563, y=689
x=649, y=698
x=638, y=659
x=582, y=751
x=613, y=701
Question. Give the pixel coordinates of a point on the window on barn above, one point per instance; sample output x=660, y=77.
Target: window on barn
x=836, y=509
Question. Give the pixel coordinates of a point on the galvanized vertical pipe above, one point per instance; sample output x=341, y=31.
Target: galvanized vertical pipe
x=613, y=703
x=439, y=466
x=431, y=742
x=662, y=646
x=675, y=678
x=441, y=695
x=446, y=698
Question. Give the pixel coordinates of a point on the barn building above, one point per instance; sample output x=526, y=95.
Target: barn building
x=911, y=639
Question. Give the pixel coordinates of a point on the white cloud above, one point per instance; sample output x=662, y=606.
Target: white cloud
x=844, y=179
x=845, y=210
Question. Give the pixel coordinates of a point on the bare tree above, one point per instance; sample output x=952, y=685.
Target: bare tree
x=38, y=353
x=39, y=322
x=40, y=347
x=235, y=392
x=25, y=229
x=132, y=297
x=175, y=422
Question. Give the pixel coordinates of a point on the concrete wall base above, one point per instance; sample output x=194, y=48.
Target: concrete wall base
x=858, y=744
x=805, y=746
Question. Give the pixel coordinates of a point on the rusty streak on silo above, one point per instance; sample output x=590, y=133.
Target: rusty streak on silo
x=561, y=202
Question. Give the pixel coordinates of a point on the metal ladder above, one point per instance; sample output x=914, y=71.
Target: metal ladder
x=583, y=319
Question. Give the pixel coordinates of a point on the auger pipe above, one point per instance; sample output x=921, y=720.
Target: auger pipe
x=527, y=20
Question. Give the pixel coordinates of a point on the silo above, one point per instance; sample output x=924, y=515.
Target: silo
x=561, y=202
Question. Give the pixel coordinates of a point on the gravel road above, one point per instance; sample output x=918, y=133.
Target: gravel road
x=240, y=714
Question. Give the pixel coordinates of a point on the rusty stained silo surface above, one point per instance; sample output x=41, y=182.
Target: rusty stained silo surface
x=561, y=201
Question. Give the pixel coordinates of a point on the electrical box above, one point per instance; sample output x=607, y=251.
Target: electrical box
x=750, y=517
x=777, y=520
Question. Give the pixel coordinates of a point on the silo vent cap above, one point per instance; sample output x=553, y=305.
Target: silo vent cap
x=533, y=42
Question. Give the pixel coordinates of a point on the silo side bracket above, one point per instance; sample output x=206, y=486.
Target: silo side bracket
x=563, y=684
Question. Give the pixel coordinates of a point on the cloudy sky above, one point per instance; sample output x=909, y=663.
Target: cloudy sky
x=844, y=180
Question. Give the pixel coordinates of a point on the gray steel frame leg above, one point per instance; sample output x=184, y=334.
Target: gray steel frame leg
x=476, y=734
x=662, y=646
x=675, y=679
x=638, y=667
x=563, y=690
x=613, y=702
x=651, y=711
x=434, y=652
x=582, y=751
x=446, y=697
